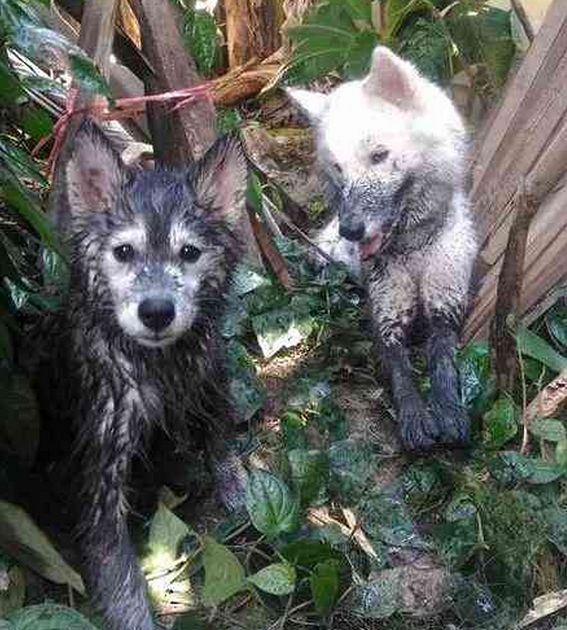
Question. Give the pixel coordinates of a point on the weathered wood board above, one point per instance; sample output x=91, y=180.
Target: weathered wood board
x=525, y=140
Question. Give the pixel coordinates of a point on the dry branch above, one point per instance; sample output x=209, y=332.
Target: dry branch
x=549, y=400
x=509, y=292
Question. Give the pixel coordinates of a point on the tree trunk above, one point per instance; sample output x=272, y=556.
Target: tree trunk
x=185, y=134
x=252, y=29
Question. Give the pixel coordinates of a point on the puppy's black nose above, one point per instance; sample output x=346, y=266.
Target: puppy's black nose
x=156, y=313
x=352, y=232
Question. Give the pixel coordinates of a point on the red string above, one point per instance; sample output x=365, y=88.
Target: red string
x=123, y=108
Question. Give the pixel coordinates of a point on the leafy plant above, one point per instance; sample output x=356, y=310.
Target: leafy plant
x=440, y=37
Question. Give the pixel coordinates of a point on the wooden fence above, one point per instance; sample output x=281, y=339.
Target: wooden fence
x=524, y=142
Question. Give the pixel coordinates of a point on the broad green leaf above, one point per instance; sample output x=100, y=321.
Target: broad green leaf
x=379, y=598
x=500, y=423
x=247, y=392
x=456, y=541
x=357, y=62
x=460, y=508
x=511, y=467
x=49, y=617
x=280, y=329
x=561, y=454
x=276, y=579
x=21, y=539
x=224, y=575
x=398, y=11
x=477, y=381
x=556, y=322
x=270, y=504
x=12, y=589
x=88, y=77
x=352, y=465
x=202, y=38
x=484, y=37
x=324, y=582
x=424, y=485
x=427, y=44
x=306, y=554
x=385, y=517
x=548, y=429
x=309, y=475
x=544, y=473
x=167, y=531
x=534, y=346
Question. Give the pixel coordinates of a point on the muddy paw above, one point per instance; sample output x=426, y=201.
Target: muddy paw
x=418, y=429
x=452, y=421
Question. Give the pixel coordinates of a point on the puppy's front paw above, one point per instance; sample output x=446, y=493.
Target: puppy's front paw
x=452, y=420
x=418, y=429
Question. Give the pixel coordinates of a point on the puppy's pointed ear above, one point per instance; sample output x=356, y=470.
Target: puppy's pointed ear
x=94, y=171
x=311, y=103
x=392, y=79
x=219, y=179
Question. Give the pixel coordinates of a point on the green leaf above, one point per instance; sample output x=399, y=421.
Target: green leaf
x=88, y=77
x=307, y=554
x=25, y=542
x=385, y=517
x=19, y=416
x=477, y=380
x=556, y=521
x=510, y=467
x=556, y=322
x=352, y=465
x=246, y=390
x=398, y=12
x=456, y=541
x=537, y=348
x=12, y=589
x=281, y=328
x=37, y=123
x=561, y=454
x=544, y=473
x=167, y=531
x=49, y=617
x=427, y=44
x=201, y=33
x=500, y=423
x=224, y=575
x=270, y=504
x=548, y=429
x=324, y=583
x=276, y=579
x=484, y=37
x=309, y=475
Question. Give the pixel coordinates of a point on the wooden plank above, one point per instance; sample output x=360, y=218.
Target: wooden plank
x=528, y=77
x=185, y=134
x=545, y=264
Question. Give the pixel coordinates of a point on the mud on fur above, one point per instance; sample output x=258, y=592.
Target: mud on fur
x=391, y=151
x=136, y=348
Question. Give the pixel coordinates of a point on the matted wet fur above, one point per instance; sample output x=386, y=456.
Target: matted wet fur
x=137, y=343
x=391, y=151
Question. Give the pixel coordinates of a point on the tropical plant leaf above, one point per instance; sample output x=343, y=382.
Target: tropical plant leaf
x=202, y=39
x=270, y=504
x=500, y=423
x=324, y=582
x=49, y=617
x=537, y=348
x=276, y=579
x=25, y=542
x=224, y=575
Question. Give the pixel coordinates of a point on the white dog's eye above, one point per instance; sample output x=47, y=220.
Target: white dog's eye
x=124, y=253
x=337, y=168
x=379, y=155
x=189, y=253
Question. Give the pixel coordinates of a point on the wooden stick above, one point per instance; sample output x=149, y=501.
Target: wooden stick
x=509, y=293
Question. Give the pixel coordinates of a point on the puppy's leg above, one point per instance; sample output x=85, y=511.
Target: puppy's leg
x=109, y=436
x=393, y=300
x=444, y=399
x=444, y=292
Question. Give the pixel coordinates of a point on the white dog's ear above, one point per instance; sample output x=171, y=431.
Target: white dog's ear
x=312, y=103
x=393, y=79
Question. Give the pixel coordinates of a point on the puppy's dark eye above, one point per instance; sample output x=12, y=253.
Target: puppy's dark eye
x=338, y=168
x=379, y=155
x=124, y=253
x=189, y=253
